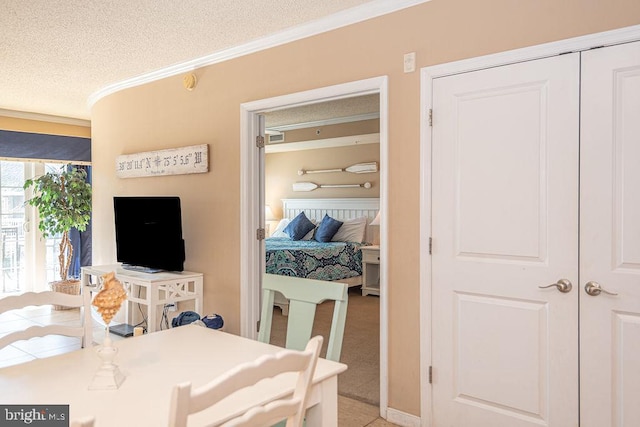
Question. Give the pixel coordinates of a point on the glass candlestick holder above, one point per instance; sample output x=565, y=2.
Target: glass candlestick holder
x=108, y=376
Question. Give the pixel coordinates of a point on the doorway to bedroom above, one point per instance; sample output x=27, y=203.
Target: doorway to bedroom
x=338, y=129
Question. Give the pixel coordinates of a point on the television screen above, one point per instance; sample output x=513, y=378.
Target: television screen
x=149, y=233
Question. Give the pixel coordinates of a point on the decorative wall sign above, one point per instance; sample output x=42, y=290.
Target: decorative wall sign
x=174, y=161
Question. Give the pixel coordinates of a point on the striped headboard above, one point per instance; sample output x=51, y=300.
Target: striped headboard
x=339, y=209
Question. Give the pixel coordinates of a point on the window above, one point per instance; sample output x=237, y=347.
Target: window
x=28, y=262
x=12, y=214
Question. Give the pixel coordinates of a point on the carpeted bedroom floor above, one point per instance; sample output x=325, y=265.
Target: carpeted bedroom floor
x=360, y=348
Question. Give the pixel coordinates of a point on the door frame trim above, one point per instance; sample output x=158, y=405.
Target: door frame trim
x=250, y=220
x=427, y=75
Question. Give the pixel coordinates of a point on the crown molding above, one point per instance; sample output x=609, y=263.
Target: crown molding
x=342, y=19
x=44, y=118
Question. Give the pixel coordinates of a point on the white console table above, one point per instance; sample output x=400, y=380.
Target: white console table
x=152, y=289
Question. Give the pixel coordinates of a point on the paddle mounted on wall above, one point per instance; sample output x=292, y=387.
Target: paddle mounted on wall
x=369, y=167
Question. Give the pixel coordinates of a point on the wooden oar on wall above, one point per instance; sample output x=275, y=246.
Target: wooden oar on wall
x=310, y=186
x=357, y=168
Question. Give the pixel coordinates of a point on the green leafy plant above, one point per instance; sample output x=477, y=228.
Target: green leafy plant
x=63, y=200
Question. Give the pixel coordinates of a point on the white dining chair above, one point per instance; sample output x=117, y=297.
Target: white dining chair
x=83, y=330
x=83, y=422
x=186, y=401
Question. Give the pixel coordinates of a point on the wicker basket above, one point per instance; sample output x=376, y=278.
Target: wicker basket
x=71, y=287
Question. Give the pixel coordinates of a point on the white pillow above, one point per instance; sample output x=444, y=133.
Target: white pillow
x=351, y=230
x=278, y=232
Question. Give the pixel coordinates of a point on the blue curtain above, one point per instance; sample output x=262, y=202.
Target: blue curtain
x=80, y=241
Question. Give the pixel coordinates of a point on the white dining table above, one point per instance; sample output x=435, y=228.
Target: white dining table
x=152, y=365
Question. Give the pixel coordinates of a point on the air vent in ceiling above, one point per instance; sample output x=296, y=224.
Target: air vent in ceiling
x=276, y=138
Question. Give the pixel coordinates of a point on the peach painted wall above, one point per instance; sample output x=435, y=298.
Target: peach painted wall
x=281, y=171
x=162, y=115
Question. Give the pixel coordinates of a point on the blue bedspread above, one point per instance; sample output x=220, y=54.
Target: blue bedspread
x=312, y=259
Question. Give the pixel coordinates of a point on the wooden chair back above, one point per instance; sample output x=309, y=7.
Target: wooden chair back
x=186, y=401
x=304, y=295
x=84, y=330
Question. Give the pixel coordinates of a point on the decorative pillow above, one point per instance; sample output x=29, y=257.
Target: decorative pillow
x=299, y=227
x=327, y=229
x=309, y=235
x=279, y=231
x=352, y=230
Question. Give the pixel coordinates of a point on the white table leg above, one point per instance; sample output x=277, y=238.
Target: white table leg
x=325, y=413
x=152, y=308
x=85, y=279
x=198, y=298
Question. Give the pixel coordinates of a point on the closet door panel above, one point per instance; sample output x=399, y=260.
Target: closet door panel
x=610, y=237
x=505, y=223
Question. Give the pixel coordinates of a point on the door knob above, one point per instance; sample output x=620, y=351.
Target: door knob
x=594, y=289
x=563, y=285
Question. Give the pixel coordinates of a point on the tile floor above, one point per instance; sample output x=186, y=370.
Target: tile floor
x=351, y=413
x=23, y=351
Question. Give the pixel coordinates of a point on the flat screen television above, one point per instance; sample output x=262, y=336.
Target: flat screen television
x=149, y=233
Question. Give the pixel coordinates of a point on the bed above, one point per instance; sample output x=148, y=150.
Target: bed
x=332, y=261
x=313, y=260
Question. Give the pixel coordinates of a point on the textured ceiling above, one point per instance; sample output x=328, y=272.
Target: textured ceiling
x=54, y=54
x=349, y=108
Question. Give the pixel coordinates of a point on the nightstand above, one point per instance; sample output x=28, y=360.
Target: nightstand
x=370, y=270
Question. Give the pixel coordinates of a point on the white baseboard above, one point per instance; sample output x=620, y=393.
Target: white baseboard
x=402, y=418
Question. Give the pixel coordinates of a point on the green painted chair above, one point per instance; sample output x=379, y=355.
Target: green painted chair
x=304, y=295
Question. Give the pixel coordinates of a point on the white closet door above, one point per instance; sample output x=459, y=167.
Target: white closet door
x=610, y=237
x=505, y=222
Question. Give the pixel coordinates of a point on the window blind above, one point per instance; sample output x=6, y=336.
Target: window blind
x=27, y=145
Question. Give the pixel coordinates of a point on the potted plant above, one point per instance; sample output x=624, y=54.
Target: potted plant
x=63, y=200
